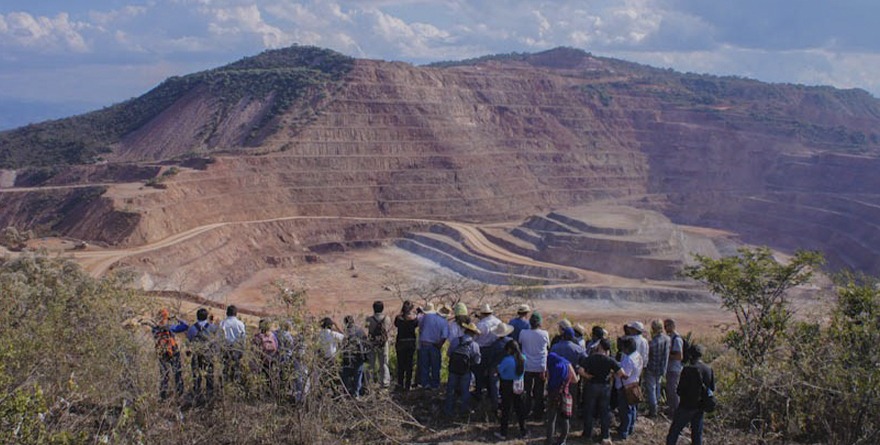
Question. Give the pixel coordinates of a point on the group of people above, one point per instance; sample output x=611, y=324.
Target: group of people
x=510, y=368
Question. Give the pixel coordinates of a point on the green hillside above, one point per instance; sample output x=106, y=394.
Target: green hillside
x=285, y=74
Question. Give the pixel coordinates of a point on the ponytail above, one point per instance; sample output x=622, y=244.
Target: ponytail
x=513, y=348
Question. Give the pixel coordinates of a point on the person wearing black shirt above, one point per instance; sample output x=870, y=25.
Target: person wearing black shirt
x=597, y=369
x=694, y=378
x=406, y=323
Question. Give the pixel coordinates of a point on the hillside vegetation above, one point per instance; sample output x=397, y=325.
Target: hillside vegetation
x=76, y=367
x=282, y=76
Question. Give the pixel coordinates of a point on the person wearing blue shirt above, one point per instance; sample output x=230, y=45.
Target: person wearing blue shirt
x=511, y=371
x=433, y=332
x=202, y=337
x=460, y=382
x=521, y=321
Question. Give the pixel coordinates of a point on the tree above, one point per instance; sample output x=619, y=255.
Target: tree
x=753, y=285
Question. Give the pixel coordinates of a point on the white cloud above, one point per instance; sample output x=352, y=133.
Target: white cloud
x=248, y=20
x=42, y=33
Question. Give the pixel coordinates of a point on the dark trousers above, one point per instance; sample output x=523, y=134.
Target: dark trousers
x=232, y=366
x=683, y=417
x=405, y=357
x=481, y=377
x=597, y=403
x=203, y=369
x=167, y=366
x=511, y=401
x=534, y=391
x=353, y=378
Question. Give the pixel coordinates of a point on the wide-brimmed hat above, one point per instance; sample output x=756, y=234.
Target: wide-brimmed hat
x=470, y=327
x=444, y=310
x=502, y=330
x=429, y=308
x=486, y=309
x=580, y=329
x=459, y=309
x=523, y=309
x=638, y=326
x=564, y=324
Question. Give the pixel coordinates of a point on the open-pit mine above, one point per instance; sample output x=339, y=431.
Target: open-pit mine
x=592, y=180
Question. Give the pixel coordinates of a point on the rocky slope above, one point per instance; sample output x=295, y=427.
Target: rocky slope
x=495, y=139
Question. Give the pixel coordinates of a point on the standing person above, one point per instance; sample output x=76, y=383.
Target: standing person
x=289, y=360
x=560, y=376
x=355, y=352
x=636, y=331
x=492, y=357
x=658, y=357
x=697, y=383
x=598, y=369
x=406, y=323
x=233, y=348
x=631, y=363
x=562, y=325
x=202, y=338
x=535, y=342
x=378, y=326
x=596, y=334
x=462, y=359
x=675, y=366
x=521, y=321
x=568, y=348
x=456, y=325
x=168, y=352
x=433, y=332
x=488, y=322
x=511, y=370
x=580, y=333
x=330, y=337
x=266, y=346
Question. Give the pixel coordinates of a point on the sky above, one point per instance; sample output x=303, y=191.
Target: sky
x=59, y=57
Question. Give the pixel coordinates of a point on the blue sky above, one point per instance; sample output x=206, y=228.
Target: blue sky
x=58, y=56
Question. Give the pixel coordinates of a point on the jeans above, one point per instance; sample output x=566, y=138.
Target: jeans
x=167, y=366
x=203, y=368
x=671, y=391
x=597, y=400
x=684, y=416
x=353, y=379
x=509, y=401
x=534, y=391
x=461, y=384
x=379, y=365
x=429, y=366
x=652, y=388
x=627, y=414
x=405, y=356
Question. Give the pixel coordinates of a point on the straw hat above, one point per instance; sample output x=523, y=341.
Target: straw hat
x=472, y=328
x=486, y=309
x=502, y=330
x=523, y=309
x=429, y=308
x=444, y=310
x=638, y=326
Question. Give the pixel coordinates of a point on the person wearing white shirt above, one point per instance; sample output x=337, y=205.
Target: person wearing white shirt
x=234, y=332
x=631, y=364
x=535, y=345
x=329, y=338
x=484, y=340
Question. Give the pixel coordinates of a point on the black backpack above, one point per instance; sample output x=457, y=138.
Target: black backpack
x=460, y=358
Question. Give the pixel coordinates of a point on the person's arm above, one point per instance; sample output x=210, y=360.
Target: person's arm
x=475, y=352
x=181, y=326
x=583, y=373
x=676, y=355
x=572, y=376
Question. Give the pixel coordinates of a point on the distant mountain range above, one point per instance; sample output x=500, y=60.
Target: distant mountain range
x=307, y=131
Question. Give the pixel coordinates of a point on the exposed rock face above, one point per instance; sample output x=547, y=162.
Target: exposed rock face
x=500, y=140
